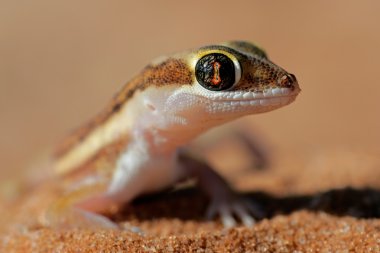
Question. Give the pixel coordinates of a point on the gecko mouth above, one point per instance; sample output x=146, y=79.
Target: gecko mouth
x=253, y=101
x=269, y=96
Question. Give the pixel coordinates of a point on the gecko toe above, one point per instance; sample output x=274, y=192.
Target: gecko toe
x=226, y=215
x=233, y=210
x=243, y=213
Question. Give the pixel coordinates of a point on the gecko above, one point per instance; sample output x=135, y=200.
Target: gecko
x=137, y=144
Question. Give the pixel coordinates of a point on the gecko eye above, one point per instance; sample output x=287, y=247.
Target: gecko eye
x=216, y=72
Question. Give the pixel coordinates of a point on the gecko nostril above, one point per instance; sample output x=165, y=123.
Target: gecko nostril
x=287, y=80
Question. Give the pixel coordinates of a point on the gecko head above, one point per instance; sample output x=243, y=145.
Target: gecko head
x=229, y=81
x=190, y=92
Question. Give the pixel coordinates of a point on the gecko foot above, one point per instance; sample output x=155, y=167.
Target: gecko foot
x=79, y=218
x=75, y=218
x=234, y=206
x=89, y=219
x=225, y=202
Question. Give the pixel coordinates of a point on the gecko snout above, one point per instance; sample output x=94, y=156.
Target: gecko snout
x=288, y=81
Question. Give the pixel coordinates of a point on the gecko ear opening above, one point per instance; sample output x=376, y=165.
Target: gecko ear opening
x=217, y=72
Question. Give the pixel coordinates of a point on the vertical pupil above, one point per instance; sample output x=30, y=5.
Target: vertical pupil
x=215, y=71
x=216, y=78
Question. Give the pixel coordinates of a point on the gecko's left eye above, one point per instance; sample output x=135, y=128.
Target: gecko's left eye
x=217, y=72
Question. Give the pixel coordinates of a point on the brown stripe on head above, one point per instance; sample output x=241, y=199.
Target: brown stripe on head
x=170, y=71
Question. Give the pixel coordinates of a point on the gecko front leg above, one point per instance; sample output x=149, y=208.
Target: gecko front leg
x=126, y=183
x=225, y=202
x=89, y=199
x=137, y=171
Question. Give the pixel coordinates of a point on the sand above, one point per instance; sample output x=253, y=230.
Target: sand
x=300, y=232
x=308, y=205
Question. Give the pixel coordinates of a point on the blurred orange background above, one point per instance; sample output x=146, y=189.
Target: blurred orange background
x=60, y=61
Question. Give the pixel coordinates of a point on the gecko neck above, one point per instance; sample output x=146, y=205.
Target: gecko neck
x=163, y=141
x=167, y=120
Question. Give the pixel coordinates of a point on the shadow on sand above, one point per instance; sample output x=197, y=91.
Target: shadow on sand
x=191, y=204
